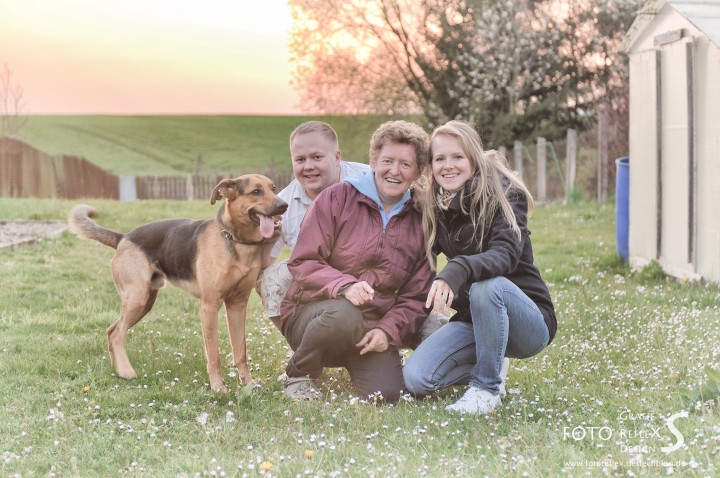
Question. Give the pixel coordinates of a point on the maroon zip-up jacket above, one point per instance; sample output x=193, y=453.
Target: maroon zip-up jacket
x=342, y=241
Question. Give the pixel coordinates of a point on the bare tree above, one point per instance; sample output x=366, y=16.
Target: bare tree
x=12, y=108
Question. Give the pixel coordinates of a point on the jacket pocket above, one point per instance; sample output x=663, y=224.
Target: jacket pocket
x=297, y=295
x=464, y=240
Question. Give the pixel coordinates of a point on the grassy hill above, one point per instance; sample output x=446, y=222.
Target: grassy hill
x=133, y=145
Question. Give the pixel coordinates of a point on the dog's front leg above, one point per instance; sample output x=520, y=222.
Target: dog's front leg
x=236, y=309
x=209, y=315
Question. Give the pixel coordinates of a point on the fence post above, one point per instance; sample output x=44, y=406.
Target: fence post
x=155, y=191
x=517, y=151
x=602, y=154
x=128, y=188
x=570, y=161
x=541, y=170
x=189, y=188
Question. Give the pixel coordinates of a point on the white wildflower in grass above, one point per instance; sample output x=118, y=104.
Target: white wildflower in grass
x=203, y=418
x=55, y=415
x=406, y=397
x=7, y=457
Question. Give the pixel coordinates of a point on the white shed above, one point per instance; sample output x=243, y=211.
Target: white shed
x=674, y=49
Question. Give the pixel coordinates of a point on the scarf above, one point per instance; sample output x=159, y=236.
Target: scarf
x=444, y=198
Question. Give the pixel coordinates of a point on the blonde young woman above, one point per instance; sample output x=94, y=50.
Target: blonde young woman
x=475, y=212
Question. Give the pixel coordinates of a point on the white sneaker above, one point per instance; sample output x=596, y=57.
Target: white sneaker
x=503, y=376
x=476, y=402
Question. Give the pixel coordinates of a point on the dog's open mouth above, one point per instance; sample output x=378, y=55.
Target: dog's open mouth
x=267, y=224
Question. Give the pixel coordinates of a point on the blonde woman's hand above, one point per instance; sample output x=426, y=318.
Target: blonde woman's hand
x=376, y=340
x=440, y=297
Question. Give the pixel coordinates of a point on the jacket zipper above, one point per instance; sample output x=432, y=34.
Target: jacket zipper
x=381, y=244
x=378, y=252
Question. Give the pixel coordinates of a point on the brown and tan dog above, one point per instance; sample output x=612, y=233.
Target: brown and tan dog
x=216, y=260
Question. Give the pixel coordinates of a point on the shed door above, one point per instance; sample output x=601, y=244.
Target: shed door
x=675, y=157
x=644, y=240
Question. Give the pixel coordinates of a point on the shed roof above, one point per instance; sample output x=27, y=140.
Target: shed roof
x=704, y=14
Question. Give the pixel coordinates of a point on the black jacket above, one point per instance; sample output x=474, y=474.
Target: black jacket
x=502, y=255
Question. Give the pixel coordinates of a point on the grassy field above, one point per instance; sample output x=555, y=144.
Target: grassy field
x=593, y=403
x=134, y=145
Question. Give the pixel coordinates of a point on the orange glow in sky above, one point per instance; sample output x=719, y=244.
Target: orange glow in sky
x=149, y=56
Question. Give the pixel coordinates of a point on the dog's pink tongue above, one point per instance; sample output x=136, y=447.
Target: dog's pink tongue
x=267, y=226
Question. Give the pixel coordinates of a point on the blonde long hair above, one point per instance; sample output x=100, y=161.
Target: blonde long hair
x=491, y=181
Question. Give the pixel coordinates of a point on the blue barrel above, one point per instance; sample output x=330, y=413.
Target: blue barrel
x=622, y=206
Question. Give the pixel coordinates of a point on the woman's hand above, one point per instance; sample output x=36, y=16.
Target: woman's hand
x=376, y=340
x=440, y=297
x=359, y=293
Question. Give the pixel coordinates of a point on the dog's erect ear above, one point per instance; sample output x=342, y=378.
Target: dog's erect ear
x=225, y=189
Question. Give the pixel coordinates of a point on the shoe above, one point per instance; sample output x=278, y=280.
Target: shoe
x=503, y=376
x=302, y=389
x=476, y=401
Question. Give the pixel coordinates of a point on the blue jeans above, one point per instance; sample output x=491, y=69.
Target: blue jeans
x=505, y=322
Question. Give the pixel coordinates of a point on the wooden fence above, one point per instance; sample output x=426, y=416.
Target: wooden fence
x=28, y=172
x=175, y=187
x=187, y=187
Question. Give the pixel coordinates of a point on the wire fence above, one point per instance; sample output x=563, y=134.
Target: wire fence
x=562, y=168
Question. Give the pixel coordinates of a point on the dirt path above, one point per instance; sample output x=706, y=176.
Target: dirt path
x=14, y=233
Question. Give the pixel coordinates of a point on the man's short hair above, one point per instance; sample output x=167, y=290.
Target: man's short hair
x=402, y=132
x=312, y=126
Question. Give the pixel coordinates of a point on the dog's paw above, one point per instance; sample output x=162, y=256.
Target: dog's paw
x=245, y=380
x=127, y=373
x=245, y=377
x=218, y=387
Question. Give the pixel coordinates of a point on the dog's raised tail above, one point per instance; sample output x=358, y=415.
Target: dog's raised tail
x=79, y=223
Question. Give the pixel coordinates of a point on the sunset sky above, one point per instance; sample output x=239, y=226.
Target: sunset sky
x=149, y=56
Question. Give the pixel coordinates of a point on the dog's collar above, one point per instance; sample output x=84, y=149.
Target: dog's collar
x=227, y=235
x=230, y=238
x=224, y=227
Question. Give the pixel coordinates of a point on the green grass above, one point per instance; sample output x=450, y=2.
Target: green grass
x=133, y=145
x=627, y=345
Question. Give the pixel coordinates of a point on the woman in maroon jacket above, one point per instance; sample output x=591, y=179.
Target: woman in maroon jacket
x=360, y=273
